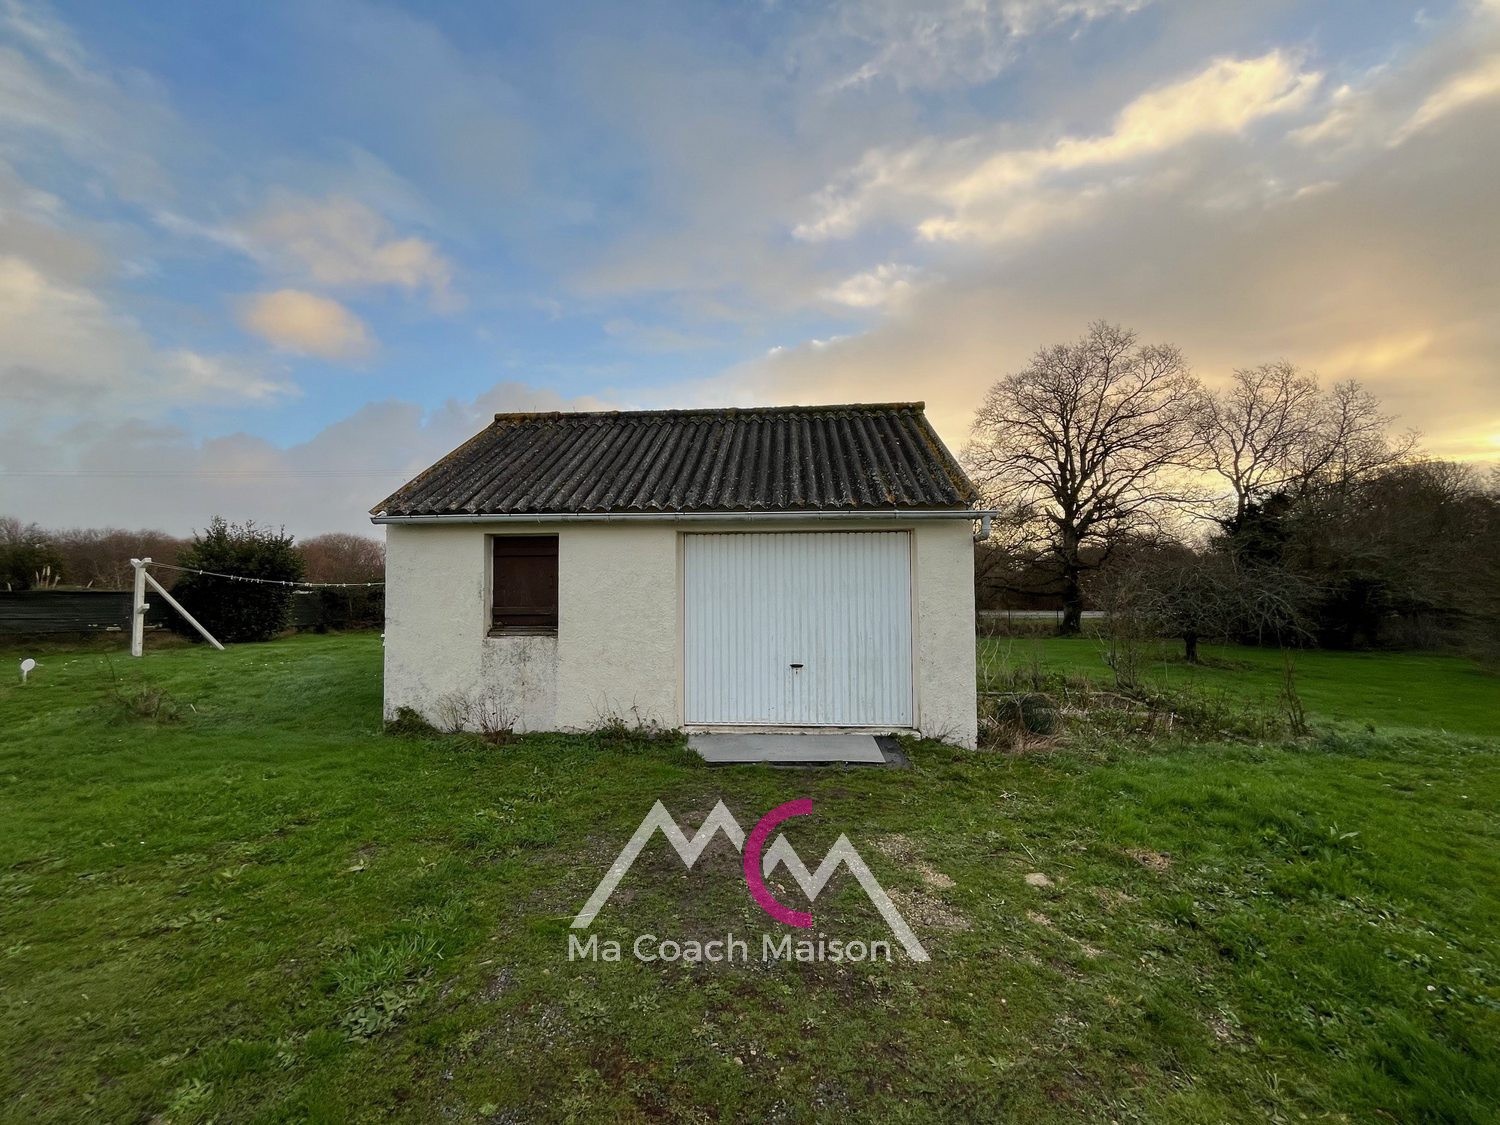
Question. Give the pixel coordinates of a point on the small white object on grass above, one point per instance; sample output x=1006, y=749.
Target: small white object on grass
x=26, y=666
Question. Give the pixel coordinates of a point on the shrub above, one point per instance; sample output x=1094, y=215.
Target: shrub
x=232, y=610
x=1037, y=714
x=487, y=713
x=27, y=558
x=1008, y=718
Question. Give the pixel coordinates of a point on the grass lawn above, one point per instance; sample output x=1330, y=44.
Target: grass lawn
x=249, y=903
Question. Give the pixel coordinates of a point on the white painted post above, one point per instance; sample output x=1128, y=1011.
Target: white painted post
x=175, y=604
x=138, y=608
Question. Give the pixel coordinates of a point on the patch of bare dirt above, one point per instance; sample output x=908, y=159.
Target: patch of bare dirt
x=904, y=851
x=1110, y=898
x=497, y=985
x=1222, y=1031
x=1150, y=860
x=363, y=858
x=924, y=910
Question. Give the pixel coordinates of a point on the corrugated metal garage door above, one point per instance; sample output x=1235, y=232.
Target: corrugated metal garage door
x=798, y=628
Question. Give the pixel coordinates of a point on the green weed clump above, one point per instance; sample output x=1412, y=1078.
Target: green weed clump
x=383, y=982
x=151, y=703
x=1207, y=715
x=408, y=723
x=1021, y=706
x=632, y=732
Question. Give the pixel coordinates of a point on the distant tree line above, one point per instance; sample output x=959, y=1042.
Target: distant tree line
x=99, y=558
x=32, y=557
x=1273, y=509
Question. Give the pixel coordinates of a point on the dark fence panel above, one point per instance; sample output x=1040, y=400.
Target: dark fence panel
x=305, y=611
x=338, y=608
x=38, y=612
x=80, y=612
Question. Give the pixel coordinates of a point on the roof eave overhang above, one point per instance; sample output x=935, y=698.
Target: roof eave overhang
x=851, y=514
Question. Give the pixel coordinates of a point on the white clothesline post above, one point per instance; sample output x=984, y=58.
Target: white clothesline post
x=138, y=621
x=138, y=608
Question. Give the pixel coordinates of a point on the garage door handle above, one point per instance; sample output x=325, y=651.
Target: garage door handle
x=796, y=667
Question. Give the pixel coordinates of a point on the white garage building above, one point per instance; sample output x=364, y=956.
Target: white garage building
x=793, y=568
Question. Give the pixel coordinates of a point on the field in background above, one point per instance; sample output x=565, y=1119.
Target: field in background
x=1384, y=690
x=227, y=895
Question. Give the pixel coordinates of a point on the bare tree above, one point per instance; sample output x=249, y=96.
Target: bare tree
x=99, y=558
x=340, y=557
x=1273, y=431
x=1353, y=440
x=1085, y=445
x=1213, y=594
x=1172, y=590
x=1259, y=432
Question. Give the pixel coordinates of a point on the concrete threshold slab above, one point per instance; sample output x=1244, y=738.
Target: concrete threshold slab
x=788, y=749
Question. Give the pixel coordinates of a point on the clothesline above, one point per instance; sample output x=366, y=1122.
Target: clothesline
x=267, y=581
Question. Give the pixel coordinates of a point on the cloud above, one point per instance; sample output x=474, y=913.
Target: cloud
x=78, y=140
x=305, y=323
x=1478, y=84
x=340, y=243
x=1375, y=356
x=1357, y=259
x=1409, y=313
x=144, y=474
x=59, y=100
x=435, y=98
x=653, y=337
x=67, y=352
x=1389, y=104
x=34, y=227
x=886, y=284
x=924, y=44
x=976, y=188
x=1338, y=124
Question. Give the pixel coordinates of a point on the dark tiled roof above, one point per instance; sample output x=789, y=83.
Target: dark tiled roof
x=792, y=458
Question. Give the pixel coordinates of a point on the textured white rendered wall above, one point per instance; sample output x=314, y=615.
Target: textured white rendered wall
x=947, y=694
x=617, y=648
x=617, y=636
x=437, y=654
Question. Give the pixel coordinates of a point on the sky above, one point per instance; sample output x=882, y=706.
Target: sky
x=268, y=260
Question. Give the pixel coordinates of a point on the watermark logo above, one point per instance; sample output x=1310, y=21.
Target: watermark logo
x=759, y=862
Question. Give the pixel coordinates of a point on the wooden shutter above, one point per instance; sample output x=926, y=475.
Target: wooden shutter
x=524, y=583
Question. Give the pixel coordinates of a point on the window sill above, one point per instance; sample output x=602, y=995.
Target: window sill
x=522, y=631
